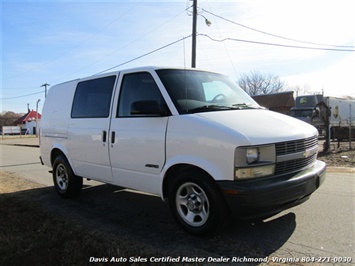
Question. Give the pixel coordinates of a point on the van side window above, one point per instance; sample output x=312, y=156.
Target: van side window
x=93, y=98
x=139, y=89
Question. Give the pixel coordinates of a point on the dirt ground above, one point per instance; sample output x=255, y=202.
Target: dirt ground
x=32, y=234
x=339, y=156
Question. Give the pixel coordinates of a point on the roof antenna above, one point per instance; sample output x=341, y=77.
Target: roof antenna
x=28, y=107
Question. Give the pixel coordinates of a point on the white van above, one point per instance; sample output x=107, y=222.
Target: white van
x=190, y=136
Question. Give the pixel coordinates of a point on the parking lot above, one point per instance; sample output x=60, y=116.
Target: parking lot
x=319, y=231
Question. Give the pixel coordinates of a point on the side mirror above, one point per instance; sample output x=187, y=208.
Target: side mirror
x=316, y=112
x=147, y=108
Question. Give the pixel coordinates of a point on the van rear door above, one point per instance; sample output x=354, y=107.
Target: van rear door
x=89, y=126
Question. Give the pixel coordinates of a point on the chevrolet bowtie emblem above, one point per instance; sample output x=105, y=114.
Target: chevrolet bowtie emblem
x=306, y=154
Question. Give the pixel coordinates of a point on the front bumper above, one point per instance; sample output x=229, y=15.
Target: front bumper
x=264, y=197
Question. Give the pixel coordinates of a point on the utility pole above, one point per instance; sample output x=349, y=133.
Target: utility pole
x=350, y=134
x=45, y=89
x=194, y=30
x=37, y=116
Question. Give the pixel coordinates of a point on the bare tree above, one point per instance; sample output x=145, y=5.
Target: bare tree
x=299, y=90
x=256, y=83
x=348, y=97
x=8, y=118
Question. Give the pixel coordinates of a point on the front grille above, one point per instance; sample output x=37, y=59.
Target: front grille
x=288, y=147
x=298, y=148
x=294, y=165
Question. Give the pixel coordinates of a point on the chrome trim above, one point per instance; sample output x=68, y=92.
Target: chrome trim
x=298, y=155
x=56, y=136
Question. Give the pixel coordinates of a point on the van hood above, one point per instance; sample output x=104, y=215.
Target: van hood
x=262, y=126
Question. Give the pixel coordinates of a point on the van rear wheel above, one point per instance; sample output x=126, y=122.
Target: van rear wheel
x=197, y=204
x=66, y=183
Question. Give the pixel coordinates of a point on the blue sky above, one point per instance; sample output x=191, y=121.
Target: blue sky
x=55, y=41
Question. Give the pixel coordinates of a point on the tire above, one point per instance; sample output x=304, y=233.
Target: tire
x=197, y=204
x=66, y=183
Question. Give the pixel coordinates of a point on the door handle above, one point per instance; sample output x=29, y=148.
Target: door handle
x=113, y=136
x=104, y=136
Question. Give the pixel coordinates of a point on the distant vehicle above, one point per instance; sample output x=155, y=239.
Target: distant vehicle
x=313, y=110
x=192, y=137
x=280, y=102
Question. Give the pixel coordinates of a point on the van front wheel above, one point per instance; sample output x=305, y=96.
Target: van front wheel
x=197, y=204
x=65, y=182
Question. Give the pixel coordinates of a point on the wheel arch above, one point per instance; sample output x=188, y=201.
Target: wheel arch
x=56, y=151
x=66, y=183
x=192, y=214
x=177, y=168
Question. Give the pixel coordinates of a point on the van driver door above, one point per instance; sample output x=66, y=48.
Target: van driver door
x=137, y=134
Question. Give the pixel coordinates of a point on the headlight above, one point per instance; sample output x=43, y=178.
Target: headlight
x=254, y=172
x=254, y=161
x=252, y=155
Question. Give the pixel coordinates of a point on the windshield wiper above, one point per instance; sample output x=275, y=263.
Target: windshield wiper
x=216, y=107
x=213, y=107
x=244, y=106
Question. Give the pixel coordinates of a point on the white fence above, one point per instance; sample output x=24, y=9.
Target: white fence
x=14, y=130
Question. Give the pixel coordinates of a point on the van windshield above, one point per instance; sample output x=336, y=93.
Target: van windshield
x=198, y=91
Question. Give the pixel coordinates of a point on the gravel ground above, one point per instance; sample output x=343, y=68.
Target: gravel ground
x=339, y=156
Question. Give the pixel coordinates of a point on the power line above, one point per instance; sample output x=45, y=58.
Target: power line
x=277, y=44
x=127, y=44
x=76, y=46
x=14, y=88
x=15, y=97
x=138, y=57
x=224, y=44
x=274, y=35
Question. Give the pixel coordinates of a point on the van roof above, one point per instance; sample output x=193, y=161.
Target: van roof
x=146, y=68
x=143, y=68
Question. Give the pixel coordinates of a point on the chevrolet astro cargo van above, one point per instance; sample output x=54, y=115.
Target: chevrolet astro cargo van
x=192, y=137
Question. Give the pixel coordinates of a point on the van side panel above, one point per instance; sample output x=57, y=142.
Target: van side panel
x=55, y=120
x=89, y=128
